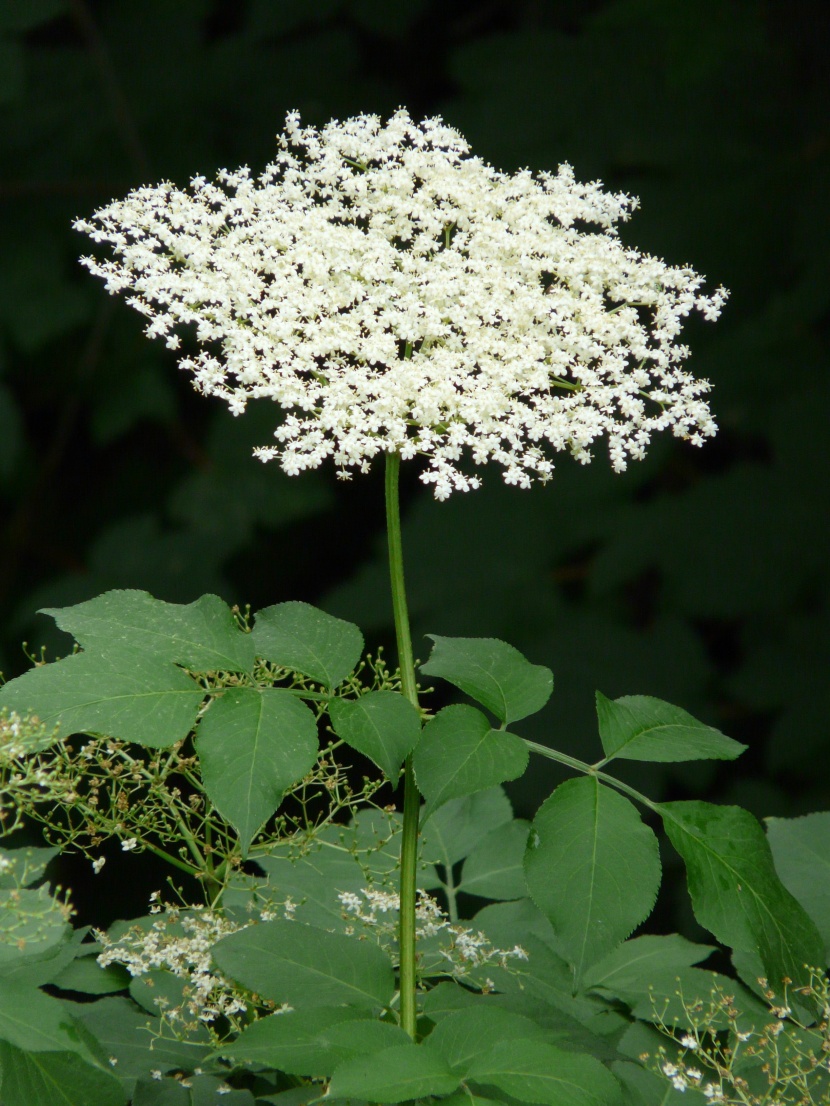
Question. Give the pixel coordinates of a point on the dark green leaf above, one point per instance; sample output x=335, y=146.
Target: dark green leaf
x=735, y=891
x=382, y=725
x=459, y=753
x=31, y=924
x=307, y=640
x=56, y=1078
x=639, y=727
x=394, y=1074
x=125, y=1033
x=132, y=697
x=24, y=865
x=463, y=1037
x=801, y=851
x=493, y=673
x=253, y=744
x=313, y=880
x=533, y=1071
x=592, y=867
x=455, y=830
x=642, y=958
x=495, y=867
x=85, y=975
x=202, y=636
x=313, y=1042
x=305, y=967
x=31, y=1020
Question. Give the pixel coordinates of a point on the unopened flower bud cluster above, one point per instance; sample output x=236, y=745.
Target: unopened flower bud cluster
x=391, y=292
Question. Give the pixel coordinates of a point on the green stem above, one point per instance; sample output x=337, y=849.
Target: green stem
x=591, y=770
x=411, y=799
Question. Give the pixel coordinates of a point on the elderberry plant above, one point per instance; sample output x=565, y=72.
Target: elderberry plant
x=391, y=294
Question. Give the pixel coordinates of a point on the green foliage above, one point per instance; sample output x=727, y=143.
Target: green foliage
x=593, y=867
x=460, y=753
x=313, y=1042
x=382, y=725
x=33, y=1078
x=298, y=636
x=253, y=744
x=637, y=727
x=306, y=966
x=736, y=893
x=395, y=1074
x=801, y=852
x=493, y=673
x=542, y=996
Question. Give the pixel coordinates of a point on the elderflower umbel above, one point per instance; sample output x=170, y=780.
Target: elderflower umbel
x=391, y=292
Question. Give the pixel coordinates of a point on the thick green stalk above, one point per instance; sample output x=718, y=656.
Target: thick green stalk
x=411, y=799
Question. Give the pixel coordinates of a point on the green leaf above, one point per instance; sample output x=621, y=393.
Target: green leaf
x=382, y=725
x=592, y=867
x=313, y=1042
x=56, y=1078
x=533, y=1071
x=313, y=880
x=125, y=1033
x=394, y=1074
x=459, y=753
x=801, y=851
x=641, y=959
x=85, y=975
x=454, y=831
x=25, y=865
x=670, y=995
x=493, y=673
x=461, y=1038
x=31, y=923
x=33, y=1021
x=735, y=891
x=305, y=967
x=202, y=636
x=639, y=727
x=495, y=867
x=253, y=744
x=307, y=640
x=131, y=697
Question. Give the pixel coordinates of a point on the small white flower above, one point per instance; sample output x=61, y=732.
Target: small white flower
x=98, y=864
x=391, y=292
x=688, y=1041
x=129, y=844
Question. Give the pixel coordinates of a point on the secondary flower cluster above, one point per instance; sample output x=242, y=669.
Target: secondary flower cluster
x=391, y=292
x=466, y=949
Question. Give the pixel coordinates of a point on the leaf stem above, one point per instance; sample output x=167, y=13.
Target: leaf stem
x=591, y=770
x=411, y=799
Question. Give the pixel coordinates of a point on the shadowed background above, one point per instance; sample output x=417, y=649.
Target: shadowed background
x=700, y=576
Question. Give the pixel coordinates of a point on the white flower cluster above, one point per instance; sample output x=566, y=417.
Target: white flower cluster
x=179, y=943
x=390, y=292
x=467, y=949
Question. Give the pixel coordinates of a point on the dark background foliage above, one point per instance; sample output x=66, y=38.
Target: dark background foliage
x=699, y=576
